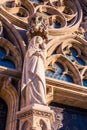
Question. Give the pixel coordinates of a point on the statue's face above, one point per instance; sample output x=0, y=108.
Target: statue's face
x=39, y=40
x=43, y=46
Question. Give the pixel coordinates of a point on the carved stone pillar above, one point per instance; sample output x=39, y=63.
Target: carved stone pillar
x=38, y=117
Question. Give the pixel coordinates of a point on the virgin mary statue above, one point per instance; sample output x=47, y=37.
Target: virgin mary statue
x=33, y=78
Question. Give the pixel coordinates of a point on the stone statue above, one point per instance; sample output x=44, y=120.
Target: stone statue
x=33, y=79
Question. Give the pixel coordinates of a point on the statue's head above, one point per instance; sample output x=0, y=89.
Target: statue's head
x=36, y=41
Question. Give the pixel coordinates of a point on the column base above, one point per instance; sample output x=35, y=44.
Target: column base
x=37, y=117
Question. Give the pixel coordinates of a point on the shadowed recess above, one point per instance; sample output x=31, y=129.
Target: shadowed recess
x=5, y=62
x=3, y=114
x=58, y=73
x=56, y=25
x=74, y=57
x=72, y=118
x=85, y=82
x=36, y=1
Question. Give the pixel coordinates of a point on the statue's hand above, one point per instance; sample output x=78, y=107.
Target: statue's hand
x=37, y=53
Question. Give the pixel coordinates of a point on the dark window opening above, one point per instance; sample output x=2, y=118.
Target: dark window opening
x=70, y=118
x=3, y=114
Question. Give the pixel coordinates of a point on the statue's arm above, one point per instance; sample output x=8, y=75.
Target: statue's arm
x=42, y=54
x=31, y=52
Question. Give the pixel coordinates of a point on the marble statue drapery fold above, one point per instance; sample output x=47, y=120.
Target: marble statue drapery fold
x=33, y=78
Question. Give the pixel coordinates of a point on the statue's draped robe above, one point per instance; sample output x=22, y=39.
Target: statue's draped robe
x=34, y=76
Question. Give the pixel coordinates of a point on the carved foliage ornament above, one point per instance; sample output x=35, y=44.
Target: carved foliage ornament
x=38, y=26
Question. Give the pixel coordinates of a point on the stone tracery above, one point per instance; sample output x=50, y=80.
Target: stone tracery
x=67, y=73
x=75, y=51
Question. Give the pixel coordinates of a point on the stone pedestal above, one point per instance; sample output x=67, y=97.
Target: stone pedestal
x=35, y=117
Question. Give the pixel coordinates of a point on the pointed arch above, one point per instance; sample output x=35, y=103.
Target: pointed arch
x=10, y=96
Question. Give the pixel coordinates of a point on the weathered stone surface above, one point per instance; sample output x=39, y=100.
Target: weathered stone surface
x=62, y=26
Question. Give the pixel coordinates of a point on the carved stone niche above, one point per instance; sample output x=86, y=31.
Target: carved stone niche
x=38, y=117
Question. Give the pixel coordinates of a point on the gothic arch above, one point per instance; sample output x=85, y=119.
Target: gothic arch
x=68, y=67
x=12, y=53
x=43, y=125
x=10, y=96
x=15, y=37
x=25, y=126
